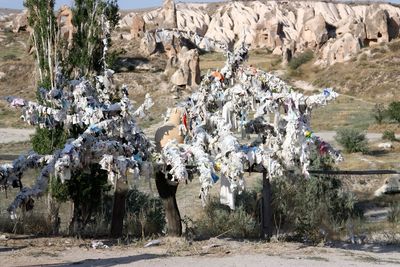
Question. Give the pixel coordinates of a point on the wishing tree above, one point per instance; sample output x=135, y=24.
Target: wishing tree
x=109, y=135
x=243, y=99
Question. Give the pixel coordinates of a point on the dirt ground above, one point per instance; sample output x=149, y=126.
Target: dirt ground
x=178, y=252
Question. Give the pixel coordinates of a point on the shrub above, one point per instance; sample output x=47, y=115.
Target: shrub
x=84, y=190
x=312, y=208
x=394, y=213
x=301, y=59
x=379, y=113
x=45, y=141
x=394, y=46
x=316, y=204
x=389, y=135
x=394, y=111
x=352, y=140
x=145, y=214
x=239, y=223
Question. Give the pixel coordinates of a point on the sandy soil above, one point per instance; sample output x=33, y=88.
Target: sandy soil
x=178, y=252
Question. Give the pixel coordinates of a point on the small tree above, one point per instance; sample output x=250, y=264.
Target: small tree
x=301, y=59
x=100, y=121
x=379, y=113
x=86, y=55
x=394, y=111
x=314, y=207
x=45, y=35
x=45, y=38
x=221, y=106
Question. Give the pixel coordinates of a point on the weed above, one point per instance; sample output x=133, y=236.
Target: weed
x=28, y=223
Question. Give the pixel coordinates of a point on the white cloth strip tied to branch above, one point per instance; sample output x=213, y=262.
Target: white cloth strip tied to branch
x=221, y=106
x=109, y=130
x=166, y=35
x=79, y=106
x=10, y=174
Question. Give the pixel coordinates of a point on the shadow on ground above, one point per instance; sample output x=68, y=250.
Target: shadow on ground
x=108, y=262
x=375, y=248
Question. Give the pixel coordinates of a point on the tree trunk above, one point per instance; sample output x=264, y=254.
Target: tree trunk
x=266, y=209
x=167, y=192
x=53, y=209
x=117, y=221
x=53, y=212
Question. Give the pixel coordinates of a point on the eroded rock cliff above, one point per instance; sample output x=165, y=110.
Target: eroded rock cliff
x=335, y=31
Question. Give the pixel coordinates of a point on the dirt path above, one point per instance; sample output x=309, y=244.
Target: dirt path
x=178, y=252
x=11, y=135
x=329, y=136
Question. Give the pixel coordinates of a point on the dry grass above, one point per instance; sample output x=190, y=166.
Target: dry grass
x=20, y=76
x=343, y=112
x=260, y=58
x=373, y=74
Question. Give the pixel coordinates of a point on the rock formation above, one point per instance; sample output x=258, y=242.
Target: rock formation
x=138, y=27
x=165, y=17
x=188, y=73
x=170, y=130
x=391, y=186
x=376, y=25
x=64, y=20
x=336, y=31
x=20, y=22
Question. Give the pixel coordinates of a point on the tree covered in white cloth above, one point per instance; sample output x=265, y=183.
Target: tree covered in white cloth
x=102, y=121
x=110, y=138
x=239, y=99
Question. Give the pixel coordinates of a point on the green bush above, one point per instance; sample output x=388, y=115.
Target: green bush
x=394, y=111
x=218, y=219
x=394, y=213
x=394, y=46
x=145, y=214
x=86, y=190
x=352, y=140
x=313, y=208
x=389, y=135
x=301, y=59
x=45, y=141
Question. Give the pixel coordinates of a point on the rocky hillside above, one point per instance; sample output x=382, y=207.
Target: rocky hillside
x=336, y=31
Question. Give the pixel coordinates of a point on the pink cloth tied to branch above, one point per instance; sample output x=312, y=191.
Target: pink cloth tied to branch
x=17, y=102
